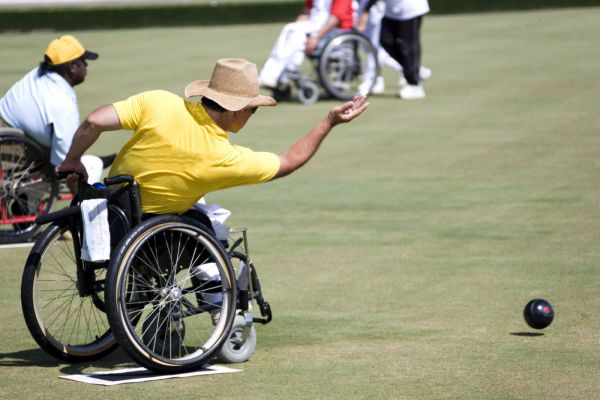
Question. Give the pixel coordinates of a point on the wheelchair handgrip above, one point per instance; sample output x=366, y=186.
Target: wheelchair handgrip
x=59, y=176
x=60, y=214
x=115, y=180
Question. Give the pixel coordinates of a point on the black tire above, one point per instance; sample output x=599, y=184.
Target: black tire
x=343, y=62
x=27, y=188
x=234, y=350
x=156, y=276
x=67, y=326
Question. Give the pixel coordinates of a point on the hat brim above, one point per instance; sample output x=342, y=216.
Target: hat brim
x=90, y=55
x=87, y=55
x=229, y=102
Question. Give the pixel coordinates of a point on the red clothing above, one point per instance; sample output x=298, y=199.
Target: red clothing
x=342, y=9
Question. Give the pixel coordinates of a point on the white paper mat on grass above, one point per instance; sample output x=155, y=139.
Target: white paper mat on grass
x=134, y=375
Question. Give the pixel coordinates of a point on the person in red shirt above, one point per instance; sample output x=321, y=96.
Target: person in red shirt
x=318, y=17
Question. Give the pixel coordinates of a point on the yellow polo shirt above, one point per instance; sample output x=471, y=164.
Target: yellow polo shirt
x=178, y=154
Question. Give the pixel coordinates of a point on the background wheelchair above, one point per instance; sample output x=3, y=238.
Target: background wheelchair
x=28, y=189
x=343, y=63
x=171, y=295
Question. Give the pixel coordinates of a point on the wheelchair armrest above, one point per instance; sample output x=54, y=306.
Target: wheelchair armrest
x=116, y=180
x=57, y=215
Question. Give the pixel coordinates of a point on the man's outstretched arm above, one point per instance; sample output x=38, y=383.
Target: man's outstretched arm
x=303, y=150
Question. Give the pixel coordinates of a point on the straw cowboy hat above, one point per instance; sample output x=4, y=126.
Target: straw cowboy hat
x=233, y=85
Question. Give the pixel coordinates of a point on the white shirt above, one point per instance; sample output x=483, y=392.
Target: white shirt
x=46, y=108
x=402, y=10
x=319, y=13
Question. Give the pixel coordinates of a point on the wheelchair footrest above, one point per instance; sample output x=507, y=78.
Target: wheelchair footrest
x=265, y=311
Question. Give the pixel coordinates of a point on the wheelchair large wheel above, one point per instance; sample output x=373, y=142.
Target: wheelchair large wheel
x=175, y=278
x=27, y=188
x=345, y=61
x=66, y=324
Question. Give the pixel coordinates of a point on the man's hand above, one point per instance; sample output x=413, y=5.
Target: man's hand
x=76, y=167
x=311, y=45
x=77, y=171
x=348, y=111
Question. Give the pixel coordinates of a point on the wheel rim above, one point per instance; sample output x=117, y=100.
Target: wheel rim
x=26, y=188
x=73, y=324
x=344, y=62
x=185, y=317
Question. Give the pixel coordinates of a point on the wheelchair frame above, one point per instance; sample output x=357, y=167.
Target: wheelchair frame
x=339, y=64
x=151, y=298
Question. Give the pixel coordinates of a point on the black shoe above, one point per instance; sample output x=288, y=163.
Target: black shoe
x=108, y=160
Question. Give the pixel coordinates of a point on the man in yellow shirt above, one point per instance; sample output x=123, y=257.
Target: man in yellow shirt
x=180, y=149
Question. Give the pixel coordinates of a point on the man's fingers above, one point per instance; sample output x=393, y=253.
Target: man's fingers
x=349, y=110
x=356, y=109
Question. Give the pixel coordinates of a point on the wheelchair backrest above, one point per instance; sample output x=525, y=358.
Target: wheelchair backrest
x=122, y=196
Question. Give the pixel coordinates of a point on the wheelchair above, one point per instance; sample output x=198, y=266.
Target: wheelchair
x=172, y=295
x=27, y=190
x=342, y=62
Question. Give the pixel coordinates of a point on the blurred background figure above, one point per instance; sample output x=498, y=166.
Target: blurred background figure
x=400, y=38
x=369, y=24
x=43, y=104
x=318, y=17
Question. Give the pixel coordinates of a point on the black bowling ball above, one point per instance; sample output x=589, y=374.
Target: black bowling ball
x=538, y=313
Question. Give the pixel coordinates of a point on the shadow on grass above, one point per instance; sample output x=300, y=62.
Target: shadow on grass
x=28, y=358
x=527, y=334
x=39, y=358
x=117, y=359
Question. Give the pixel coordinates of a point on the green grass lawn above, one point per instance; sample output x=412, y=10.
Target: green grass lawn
x=399, y=260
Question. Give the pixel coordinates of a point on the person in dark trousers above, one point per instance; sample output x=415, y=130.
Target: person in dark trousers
x=401, y=38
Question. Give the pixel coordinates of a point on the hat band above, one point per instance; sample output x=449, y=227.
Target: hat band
x=232, y=92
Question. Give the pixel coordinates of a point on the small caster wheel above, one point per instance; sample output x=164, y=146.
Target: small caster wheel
x=308, y=92
x=234, y=350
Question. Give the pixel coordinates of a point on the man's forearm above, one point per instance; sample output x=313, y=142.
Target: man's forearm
x=84, y=138
x=103, y=119
x=303, y=150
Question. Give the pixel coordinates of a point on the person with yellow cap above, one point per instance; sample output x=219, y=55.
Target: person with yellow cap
x=43, y=103
x=180, y=148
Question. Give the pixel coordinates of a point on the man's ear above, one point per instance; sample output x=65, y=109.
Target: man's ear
x=71, y=67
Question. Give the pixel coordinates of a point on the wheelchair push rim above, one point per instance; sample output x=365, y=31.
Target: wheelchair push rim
x=346, y=62
x=162, y=308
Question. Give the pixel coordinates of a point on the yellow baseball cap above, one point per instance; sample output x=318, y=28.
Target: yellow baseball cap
x=66, y=48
